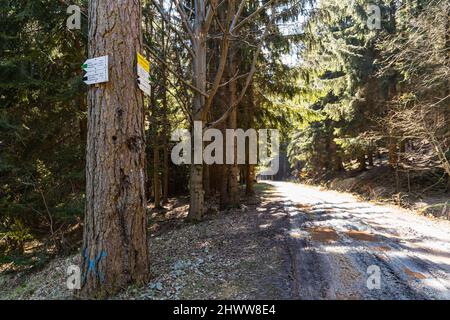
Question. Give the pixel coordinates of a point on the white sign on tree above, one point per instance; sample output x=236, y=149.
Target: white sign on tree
x=96, y=70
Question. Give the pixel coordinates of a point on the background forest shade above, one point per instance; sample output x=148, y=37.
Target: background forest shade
x=356, y=96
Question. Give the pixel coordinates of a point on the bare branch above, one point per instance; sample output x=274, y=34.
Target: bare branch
x=219, y=74
x=237, y=15
x=249, y=17
x=170, y=25
x=248, y=80
x=174, y=72
x=210, y=13
x=184, y=20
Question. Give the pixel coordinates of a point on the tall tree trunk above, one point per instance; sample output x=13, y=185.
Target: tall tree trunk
x=165, y=183
x=233, y=169
x=155, y=140
x=223, y=168
x=206, y=181
x=166, y=146
x=156, y=181
x=196, y=208
x=250, y=180
x=250, y=168
x=370, y=155
x=115, y=252
x=165, y=120
x=224, y=194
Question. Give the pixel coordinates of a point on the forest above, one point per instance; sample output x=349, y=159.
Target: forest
x=354, y=95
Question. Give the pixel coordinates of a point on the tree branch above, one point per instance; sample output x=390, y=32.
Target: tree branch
x=184, y=20
x=167, y=20
x=174, y=72
x=248, y=80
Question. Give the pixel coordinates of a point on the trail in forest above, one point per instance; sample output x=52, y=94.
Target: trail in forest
x=338, y=243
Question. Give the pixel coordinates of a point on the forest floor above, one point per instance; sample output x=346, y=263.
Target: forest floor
x=232, y=254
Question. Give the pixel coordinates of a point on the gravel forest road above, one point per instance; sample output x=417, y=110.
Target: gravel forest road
x=343, y=248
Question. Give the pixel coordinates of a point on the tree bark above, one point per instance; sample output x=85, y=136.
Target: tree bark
x=199, y=64
x=224, y=201
x=156, y=181
x=165, y=186
x=206, y=181
x=115, y=252
x=155, y=142
x=250, y=180
x=233, y=169
x=165, y=121
x=223, y=168
x=249, y=168
x=370, y=155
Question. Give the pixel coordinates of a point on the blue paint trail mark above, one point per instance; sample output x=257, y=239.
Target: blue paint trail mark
x=92, y=265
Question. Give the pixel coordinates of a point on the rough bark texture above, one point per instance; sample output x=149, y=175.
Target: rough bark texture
x=115, y=250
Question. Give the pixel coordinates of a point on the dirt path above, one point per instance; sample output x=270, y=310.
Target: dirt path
x=337, y=244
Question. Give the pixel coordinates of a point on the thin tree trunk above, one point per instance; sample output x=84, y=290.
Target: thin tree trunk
x=206, y=181
x=370, y=155
x=233, y=169
x=156, y=181
x=196, y=208
x=154, y=136
x=115, y=252
x=165, y=187
x=223, y=169
x=250, y=179
x=165, y=121
x=250, y=168
x=224, y=201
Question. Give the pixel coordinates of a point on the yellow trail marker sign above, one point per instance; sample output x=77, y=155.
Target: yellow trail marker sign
x=143, y=69
x=143, y=63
